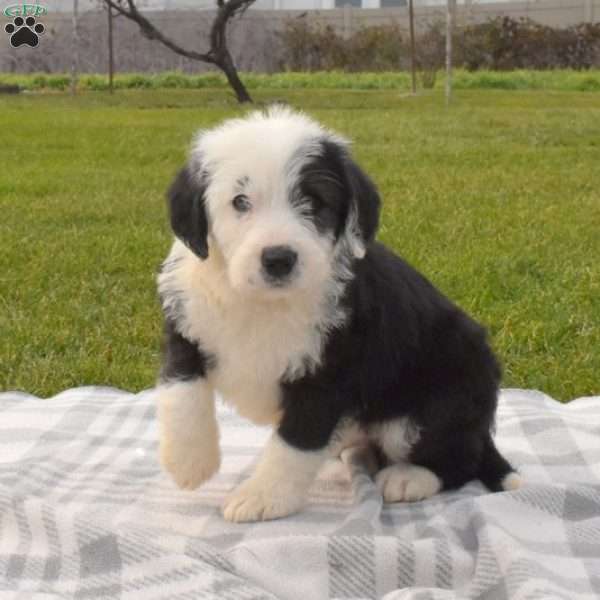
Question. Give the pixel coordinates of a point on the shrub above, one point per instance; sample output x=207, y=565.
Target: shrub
x=379, y=48
x=53, y=82
x=506, y=44
x=311, y=46
x=502, y=43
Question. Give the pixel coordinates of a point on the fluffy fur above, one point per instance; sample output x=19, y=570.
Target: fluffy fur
x=276, y=295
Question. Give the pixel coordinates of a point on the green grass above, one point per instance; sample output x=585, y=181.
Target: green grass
x=559, y=80
x=496, y=200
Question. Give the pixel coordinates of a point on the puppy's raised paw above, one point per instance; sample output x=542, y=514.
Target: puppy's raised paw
x=407, y=483
x=189, y=465
x=254, y=501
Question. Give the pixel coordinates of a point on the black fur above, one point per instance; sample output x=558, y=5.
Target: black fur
x=365, y=199
x=182, y=360
x=405, y=350
x=187, y=212
x=335, y=185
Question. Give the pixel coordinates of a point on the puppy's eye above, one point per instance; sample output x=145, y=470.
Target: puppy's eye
x=312, y=206
x=316, y=204
x=241, y=203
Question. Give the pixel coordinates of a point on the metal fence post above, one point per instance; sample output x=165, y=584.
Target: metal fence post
x=347, y=21
x=588, y=11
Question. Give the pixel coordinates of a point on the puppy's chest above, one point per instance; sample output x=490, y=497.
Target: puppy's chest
x=253, y=350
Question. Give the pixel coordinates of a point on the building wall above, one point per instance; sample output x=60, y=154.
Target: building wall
x=254, y=39
x=538, y=7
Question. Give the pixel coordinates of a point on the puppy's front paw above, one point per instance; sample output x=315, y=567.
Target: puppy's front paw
x=254, y=501
x=407, y=483
x=189, y=464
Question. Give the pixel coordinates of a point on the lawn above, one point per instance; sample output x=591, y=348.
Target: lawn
x=496, y=200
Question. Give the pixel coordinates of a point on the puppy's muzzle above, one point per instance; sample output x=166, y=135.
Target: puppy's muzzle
x=278, y=262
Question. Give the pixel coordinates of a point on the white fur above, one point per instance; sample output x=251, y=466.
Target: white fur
x=261, y=156
x=334, y=470
x=258, y=334
x=278, y=486
x=189, y=436
x=404, y=482
x=255, y=343
x=396, y=437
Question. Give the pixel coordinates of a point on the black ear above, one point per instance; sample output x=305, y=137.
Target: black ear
x=188, y=213
x=365, y=202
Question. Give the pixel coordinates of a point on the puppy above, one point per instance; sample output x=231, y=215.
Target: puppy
x=276, y=295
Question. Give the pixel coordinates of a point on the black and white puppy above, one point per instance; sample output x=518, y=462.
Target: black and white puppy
x=277, y=297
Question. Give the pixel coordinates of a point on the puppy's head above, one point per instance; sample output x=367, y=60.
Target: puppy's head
x=277, y=198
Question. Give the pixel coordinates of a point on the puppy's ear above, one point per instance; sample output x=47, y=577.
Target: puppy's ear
x=363, y=218
x=188, y=212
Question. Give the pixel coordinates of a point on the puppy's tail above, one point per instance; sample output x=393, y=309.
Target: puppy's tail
x=496, y=472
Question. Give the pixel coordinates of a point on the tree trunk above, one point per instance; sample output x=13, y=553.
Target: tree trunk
x=225, y=63
x=218, y=54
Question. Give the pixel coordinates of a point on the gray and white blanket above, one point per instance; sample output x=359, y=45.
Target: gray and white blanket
x=86, y=513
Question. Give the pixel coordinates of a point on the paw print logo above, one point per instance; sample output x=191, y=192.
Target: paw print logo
x=24, y=31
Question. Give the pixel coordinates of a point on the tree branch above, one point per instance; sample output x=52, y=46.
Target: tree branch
x=149, y=31
x=218, y=54
x=227, y=10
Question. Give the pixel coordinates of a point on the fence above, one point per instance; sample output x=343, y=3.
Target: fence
x=254, y=39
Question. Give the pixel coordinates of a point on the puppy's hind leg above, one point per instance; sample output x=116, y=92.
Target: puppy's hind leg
x=453, y=457
x=189, y=435
x=404, y=482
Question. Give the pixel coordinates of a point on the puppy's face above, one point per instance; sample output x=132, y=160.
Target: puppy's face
x=276, y=198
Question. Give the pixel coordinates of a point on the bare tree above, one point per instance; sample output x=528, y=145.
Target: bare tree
x=218, y=53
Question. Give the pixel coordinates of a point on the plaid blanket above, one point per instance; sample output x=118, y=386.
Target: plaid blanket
x=86, y=513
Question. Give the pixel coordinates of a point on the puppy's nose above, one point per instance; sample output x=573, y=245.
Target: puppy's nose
x=278, y=261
